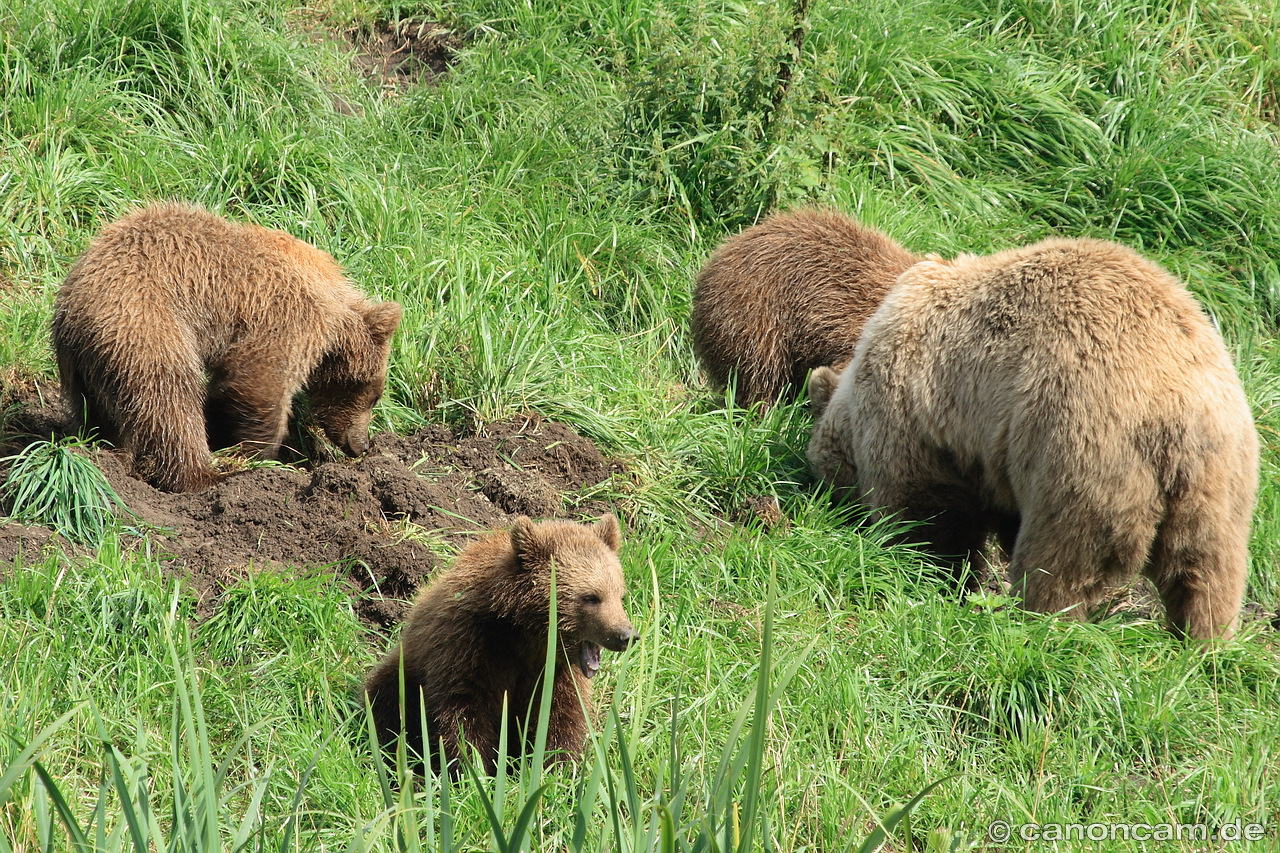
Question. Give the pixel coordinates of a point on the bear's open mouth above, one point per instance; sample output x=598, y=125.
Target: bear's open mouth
x=589, y=659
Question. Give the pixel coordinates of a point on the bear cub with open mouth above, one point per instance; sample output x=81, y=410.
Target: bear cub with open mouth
x=478, y=632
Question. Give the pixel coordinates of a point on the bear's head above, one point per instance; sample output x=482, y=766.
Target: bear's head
x=589, y=584
x=828, y=456
x=348, y=382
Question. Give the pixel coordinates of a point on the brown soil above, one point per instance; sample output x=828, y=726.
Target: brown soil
x=373, y=519
x=405, y=52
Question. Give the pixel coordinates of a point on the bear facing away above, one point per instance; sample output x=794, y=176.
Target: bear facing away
x=177, y=330
x=788, y=295
x=1070, y=397
x=478, y=632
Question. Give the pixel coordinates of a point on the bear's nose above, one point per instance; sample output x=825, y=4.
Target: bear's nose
x=626, y=637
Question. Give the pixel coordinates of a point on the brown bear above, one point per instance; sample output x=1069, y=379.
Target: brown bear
x=177, y=330
x=1070, y=397
x=788, y=295
x=478, y=635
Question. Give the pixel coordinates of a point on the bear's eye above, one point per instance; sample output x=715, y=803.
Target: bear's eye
x=591, y=600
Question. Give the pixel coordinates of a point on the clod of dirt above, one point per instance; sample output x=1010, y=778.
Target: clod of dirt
x=20, y=542
x=763, y=510
x=405, y=52
x=519, y=492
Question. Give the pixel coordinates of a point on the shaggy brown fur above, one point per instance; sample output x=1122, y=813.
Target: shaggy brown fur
x=177, y=330
x=1070, y=396
x=788, y=295
x=478, y=633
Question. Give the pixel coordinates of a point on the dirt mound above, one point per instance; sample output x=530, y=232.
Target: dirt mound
x=380, y=519
x=405, y=52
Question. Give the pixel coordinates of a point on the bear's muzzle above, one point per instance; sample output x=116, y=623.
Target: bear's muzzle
x=356, y=442
x=619, y=641
x=589, y=653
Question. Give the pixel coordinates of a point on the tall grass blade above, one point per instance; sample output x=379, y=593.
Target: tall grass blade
x=24, y=758
x=495, y=825
x=137, y=828
x=79, y=840
x=515, y=842
x=759, y=728
x=881, y=833
x=446, y=806
x=628, y=774
x=503, y=842
x=589, y=790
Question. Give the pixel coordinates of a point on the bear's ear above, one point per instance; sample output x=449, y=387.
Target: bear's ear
x=382, y=320
x=526, y=542
x=609, y=532
x=822, y=384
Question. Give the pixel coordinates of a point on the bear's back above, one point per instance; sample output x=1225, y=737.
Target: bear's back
x=213, y=277
x=813, y=265
x=1056, y=351
x=1026, y=318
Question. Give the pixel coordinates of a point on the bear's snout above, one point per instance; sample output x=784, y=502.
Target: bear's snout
x=356, y=442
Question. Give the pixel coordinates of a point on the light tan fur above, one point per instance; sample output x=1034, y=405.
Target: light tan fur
x=177, y=330
x=478, y=634
x=788, y=295
x=1070, y=396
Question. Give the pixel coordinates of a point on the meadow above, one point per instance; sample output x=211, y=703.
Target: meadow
x=541, y=211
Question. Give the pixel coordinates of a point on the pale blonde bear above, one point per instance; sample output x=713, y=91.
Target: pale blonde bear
x=1071, y=397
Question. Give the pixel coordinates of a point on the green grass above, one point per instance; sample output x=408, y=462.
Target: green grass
x=541, y=213
x=56, y=484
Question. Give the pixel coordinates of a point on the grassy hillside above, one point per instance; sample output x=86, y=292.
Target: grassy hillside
x=541, y=212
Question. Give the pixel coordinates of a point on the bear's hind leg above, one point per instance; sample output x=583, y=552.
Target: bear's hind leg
x=764, y=373
x=84, y=408
x=1064, y=559
x=1199, y=564
x=96, y=419
x=1049, y=585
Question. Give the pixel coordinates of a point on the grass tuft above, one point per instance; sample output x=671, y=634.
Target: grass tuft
x=56, y=484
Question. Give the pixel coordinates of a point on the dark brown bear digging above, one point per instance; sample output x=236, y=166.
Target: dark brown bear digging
x=478, y=633
x=178, y=331
x=789, y=295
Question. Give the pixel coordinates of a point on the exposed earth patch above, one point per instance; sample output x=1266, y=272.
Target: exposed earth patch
x=404, y=52
x=380, y=520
